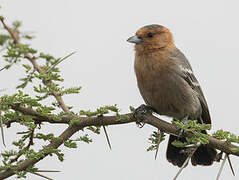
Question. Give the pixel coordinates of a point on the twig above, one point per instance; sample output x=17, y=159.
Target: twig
x=187, y=160
x=230, y=163
x=16, y=40
x=26, y=148
x=60, y=61
x=222, y=165
x=107, y=137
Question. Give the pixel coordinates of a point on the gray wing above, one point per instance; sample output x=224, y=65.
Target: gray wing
x=186, y=73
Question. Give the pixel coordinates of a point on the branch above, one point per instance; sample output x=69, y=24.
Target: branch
x=32, y=59
x=83, y=122
x=162, y=125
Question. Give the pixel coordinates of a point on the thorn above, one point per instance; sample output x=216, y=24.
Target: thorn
x=2, y=68
x=2, y=132
x=230, y=163
x=47, y=171
x=60, y=61
x=222, y=165
x=41, y=175
x=187, y=160
x=107, y=137
x=159, y=141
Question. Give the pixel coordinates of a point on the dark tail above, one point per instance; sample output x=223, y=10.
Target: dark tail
x=204, y=155
x=175, y=155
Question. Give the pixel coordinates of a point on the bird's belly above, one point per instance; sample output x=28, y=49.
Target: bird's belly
x=170, y=96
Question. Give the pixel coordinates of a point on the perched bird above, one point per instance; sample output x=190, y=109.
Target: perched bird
x=168, y=85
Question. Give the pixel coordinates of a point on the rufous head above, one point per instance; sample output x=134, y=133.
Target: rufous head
x=152, y=37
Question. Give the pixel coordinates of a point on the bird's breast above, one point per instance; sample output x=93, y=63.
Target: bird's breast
x=163, y=89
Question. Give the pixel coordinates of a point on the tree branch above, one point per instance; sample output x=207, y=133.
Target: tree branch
x=83, y=122
x=32, y=59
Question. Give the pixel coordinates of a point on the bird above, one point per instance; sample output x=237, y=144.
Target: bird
x=167, y=84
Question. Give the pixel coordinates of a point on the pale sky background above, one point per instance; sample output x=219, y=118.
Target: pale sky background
x=206, y=31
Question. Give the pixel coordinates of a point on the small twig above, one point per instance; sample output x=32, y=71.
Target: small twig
x=107, y=137
x=2, y=132
x=15, y=38
x=187, y=160
x=41, y=175
x=58, y=62
x=222, y=165
x=230, y=163
x=26, y=148
x=160, y=135
x=31, y=139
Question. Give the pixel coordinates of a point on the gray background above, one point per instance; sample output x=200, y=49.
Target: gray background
x=206, y=31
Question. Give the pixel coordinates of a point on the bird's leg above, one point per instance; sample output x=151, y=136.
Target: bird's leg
x=184, y=121
x=140, y=112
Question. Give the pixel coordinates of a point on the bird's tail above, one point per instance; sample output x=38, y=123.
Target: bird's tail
x=204, y=155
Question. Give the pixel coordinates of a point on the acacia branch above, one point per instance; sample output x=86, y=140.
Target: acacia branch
x=162, y=125
x=114, y=120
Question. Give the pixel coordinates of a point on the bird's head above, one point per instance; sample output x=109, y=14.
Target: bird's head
x=152, y=37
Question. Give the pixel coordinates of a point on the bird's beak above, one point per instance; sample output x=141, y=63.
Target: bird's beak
x=135, y=39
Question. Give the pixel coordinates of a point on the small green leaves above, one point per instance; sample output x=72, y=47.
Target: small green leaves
x=226, y=136
x=179, y=144
x=3, y=39
x=70, y=144
x=154, y=139
x=197, y=135
x=84, y=138
x=16, y=24
x=95, y=130
x=45, y=137
x=192, y=125
x=131, y=108
x=100, y=111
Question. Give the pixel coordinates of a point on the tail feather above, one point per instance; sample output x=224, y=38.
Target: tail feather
x=174, y=154
x=204, y=155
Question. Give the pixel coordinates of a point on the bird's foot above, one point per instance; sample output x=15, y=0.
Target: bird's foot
x=184, y=121
x=140, y=112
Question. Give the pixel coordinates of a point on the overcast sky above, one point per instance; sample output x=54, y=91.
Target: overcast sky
x=206, y=31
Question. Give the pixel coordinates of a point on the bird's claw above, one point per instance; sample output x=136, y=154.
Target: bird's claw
x=182, y=131
x=140, y=112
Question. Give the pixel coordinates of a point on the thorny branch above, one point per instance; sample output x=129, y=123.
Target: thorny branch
x=83, y=122
x=111, y=120
x=33, y=61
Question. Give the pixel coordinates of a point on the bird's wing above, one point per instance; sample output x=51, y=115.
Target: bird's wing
x=186, y=73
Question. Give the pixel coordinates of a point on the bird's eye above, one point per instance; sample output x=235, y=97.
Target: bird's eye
x=150, y=35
